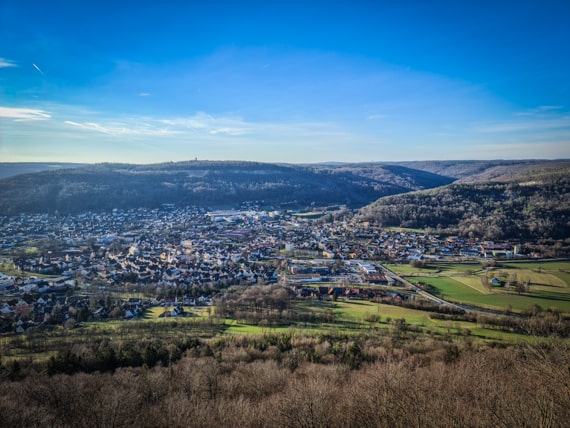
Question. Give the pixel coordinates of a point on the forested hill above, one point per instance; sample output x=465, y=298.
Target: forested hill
x=407, y=178
x=9, y=169
x=532, y=205
x=472, y=171
x=205, y=183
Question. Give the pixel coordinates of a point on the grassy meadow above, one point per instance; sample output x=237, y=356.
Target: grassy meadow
x=7, y=268
x=547, y=283
x=457, y=282
x=347, y=317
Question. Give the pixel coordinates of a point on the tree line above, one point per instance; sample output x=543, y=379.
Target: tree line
x=292, y=380
x=210, y=184
x=517, y=210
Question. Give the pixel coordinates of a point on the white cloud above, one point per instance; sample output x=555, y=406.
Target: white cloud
x=376, y=116
x=535, y=124
x=39, y=69
x=229, y=131
x=540, y=111
x=549, y=108
x=232, y=126
x=22, y=114
x=89, y=126
x=198, y=121
x=122, y=129
x=216, y=136
x=144, y=94
x=5, y=63
x=525, y=150
x=210, y=124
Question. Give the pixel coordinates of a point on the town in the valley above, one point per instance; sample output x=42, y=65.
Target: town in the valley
x=58, y=269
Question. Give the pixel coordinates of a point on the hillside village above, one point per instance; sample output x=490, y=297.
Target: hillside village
x=68, y=269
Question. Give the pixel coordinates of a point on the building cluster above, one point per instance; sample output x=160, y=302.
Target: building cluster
x=191, y=252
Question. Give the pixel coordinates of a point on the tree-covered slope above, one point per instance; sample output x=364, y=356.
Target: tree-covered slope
x=9, y=169
x=407, y=178
x=472, y=171
x=534, y=205
x=200, y=183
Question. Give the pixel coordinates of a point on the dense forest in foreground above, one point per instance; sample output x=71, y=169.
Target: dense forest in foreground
x=306, y=381
x=534, y=206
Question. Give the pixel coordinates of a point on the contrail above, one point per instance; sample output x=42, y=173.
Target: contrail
x=37, y=68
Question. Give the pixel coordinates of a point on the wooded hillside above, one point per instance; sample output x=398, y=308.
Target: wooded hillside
x=303, y=381
x=203, y=183
x=535, y=205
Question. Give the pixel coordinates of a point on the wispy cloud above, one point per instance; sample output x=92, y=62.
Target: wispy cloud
x=234, y=126
x=121, y=129
x=200, y=120
x=549, y=108
x=144, y=94
x=542, y=132
x=229, y=131
x=540, y=111
x=376, y=116
x=22, y=114
x=5, y=63
x=225, y=125
x=39, y=69
x=220, y=136
x=89, y=126
x=525, y=150
x=526, y=126
x=543, y=118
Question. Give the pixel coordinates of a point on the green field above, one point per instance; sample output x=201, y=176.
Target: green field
x=548, y=283
x=537, y=279
x=404, y=229
x=157, y=311
x=357, y=310
x=541, y=265
x=434, y=268
x=455, y=291
x=351, y=318
x=549, y=288
x=310, y=215
x=563, y=275
x=474, y=282
x=234, y=327
x=348, y=317
x=7, y=268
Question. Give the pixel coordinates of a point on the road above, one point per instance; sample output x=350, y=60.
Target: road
x=466, y=308
x=419, y=291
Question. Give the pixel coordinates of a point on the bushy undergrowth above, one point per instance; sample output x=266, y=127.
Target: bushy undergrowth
x=292, y=380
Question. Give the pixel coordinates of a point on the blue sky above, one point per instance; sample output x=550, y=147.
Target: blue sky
x=272, y=81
